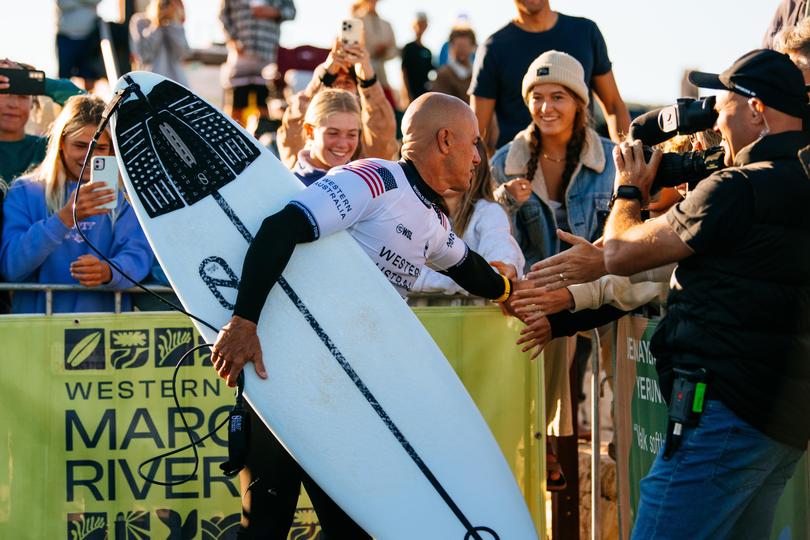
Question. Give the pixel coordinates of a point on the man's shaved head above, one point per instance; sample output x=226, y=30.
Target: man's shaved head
x=439, y=134
x=429, y=113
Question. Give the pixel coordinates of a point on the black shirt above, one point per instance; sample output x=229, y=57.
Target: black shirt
x=417, y=63
x=503, y=59
x=740, y=306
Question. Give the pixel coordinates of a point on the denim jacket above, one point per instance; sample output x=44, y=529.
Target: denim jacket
x=586, y=198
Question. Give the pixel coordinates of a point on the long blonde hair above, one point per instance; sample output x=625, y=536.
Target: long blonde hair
x=78, y=113
x=329, y=101
x=481, y=187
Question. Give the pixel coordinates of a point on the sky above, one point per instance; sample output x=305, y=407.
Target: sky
x=651, y=42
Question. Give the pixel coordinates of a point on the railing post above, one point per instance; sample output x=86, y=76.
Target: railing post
x=117, y=302
x=48, y=302
x=596, y=446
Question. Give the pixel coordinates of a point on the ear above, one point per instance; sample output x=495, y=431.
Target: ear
x=444, y=140
x=309, y=131
x=756, y=106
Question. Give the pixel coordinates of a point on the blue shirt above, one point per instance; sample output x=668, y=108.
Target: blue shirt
x=37, y=247
x=503, y=59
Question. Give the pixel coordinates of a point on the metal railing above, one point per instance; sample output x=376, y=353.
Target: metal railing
x=50, y=288
x=414, y=300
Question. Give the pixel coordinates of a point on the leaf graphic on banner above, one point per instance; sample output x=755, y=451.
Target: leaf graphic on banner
x=219, y=528
x=177, y=529
x=83, y=349
x=174, y=340
x=88, y=528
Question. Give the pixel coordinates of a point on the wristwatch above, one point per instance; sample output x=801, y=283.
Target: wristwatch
x=365, y=83
x=627, y=191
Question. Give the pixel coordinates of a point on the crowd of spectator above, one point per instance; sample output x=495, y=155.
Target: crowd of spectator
x=539, y=204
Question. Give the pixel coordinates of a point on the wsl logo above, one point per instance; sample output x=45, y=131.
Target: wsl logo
x=404, y=231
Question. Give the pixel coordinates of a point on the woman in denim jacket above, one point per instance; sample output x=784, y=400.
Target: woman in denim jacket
x=558, y=172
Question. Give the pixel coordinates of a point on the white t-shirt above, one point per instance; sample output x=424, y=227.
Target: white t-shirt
x=390, y=214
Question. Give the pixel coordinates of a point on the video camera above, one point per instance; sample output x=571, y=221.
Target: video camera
x=687, y=116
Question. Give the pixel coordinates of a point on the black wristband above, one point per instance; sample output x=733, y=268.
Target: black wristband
x=627, y=191
x=328, y=79
x=368, y=82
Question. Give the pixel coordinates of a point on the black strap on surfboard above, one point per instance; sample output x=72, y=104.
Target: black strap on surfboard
x=176, y=134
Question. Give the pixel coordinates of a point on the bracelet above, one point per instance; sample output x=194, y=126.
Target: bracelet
x=328, y=79
x=507, y=290
x=367, y=82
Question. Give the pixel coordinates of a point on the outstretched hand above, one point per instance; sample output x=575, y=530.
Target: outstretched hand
x=581, y=263
x=535, y=336
x=236, y=345
x=540, y=300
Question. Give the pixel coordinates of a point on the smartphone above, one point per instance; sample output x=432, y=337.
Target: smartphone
x=27, y=82
x=351, y=31
x=105, y=171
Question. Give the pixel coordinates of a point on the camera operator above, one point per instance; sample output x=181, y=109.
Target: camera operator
x=737, y=331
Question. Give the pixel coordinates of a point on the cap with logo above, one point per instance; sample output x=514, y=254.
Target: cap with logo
x=556, y=67
x=762, y=73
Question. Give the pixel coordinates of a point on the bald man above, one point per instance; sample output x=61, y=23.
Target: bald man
x=393, y=210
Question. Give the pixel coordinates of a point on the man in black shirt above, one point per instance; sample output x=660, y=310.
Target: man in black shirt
x=738, y=308
x=504, y=57
x=417, y=62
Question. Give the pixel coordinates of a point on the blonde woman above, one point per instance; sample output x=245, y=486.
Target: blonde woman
x=332, y=126
x=40, y=243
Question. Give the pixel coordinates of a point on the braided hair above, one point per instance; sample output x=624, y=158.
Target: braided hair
x=572, y=150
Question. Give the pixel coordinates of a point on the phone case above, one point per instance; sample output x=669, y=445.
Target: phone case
x=105, y=171
x=24, y=82
x=351, y=31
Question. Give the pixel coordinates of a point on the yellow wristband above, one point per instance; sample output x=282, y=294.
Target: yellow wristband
x=507, y=290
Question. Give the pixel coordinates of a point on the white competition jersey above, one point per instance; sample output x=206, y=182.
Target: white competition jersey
x=390, y=211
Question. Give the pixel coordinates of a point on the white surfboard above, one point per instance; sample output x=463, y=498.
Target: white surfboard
x=358, y=392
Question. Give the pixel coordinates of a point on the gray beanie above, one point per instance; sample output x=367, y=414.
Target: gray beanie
x=556, y=67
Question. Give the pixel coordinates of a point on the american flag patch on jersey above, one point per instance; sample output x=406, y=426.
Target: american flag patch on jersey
x=377, y=178
x=441, y=216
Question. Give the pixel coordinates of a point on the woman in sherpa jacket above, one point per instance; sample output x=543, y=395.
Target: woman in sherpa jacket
x=556, y=179
x=558, y=172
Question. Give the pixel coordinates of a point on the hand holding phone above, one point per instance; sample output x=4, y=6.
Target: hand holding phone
x=351, y=32
x=26, y=82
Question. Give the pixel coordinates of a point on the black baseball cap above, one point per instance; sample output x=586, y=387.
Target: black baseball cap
x=762, y=73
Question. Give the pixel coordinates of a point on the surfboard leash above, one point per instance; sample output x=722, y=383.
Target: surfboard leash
x=237, y=420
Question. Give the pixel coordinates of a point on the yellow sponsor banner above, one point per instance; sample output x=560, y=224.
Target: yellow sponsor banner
x=87, y=399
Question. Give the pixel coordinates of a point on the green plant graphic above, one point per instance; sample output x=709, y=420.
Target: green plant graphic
x=129, y=349
x=170, y=341
x=86, y=527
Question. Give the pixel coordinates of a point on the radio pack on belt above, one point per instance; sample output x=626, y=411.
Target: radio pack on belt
x=685, y=405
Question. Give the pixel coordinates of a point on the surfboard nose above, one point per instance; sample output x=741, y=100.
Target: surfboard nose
x=177, y=149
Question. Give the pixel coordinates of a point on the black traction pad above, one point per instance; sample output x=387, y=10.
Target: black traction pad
x=177, y=149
